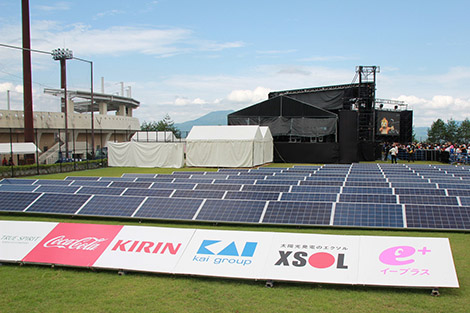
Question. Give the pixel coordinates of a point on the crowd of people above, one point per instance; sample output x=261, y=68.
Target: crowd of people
x=457, y=153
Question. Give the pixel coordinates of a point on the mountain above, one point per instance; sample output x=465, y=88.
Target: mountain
x=212, y=118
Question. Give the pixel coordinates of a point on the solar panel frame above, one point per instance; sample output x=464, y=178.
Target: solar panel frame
x=437, y=217
x=368, y=215
x=52, y=203
x=432, y=200
x=15, y=187
x=16, y=201
x=367, y=198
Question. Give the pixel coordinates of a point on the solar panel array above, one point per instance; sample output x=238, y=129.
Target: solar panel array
x=357, y=195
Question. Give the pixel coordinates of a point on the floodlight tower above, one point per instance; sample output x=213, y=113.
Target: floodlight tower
x=63, y=55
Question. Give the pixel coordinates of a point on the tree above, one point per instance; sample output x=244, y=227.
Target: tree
x=451, y=131
x=437, y=131
x=463, y=132
x=166, y=124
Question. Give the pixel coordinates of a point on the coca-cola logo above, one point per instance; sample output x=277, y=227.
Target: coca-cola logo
x=87, y=243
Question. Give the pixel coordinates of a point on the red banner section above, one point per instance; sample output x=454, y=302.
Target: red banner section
x=73, y=244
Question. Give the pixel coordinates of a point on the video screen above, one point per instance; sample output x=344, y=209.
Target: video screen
x=388, y=123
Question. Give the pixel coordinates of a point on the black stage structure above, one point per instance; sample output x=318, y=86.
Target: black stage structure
x=330, y=124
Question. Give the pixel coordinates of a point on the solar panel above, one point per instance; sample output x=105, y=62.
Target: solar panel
x=199, y=194
x=366, y=179
x=130, y=185
x=316, y=189
x=90, y=183
x=100, y=191
x=325, y=178
x=89, y=178
x=155, y=180
x=321, y=183
x=242, y=211
x=16, y=201
x=316, y=197
x=465, y=201
x=366, y=184
x=148, y=192
x=191, y=180
x=235, y=181
x=434, y=200
x=24, y=188
x=172, y=186
x=169, y=208
x=139, y=175
x=254, y=176
x=304, y=213
x=277, y=182
x=420, y=191
x=17, y=181
x=370, y=190
x=437, y=217
x=455, y=186
x=58, y=203
x=111, y=206
x=122, y=179
x=232, y=170
x=368, y=215
x=368, y=198
x=452, y=192
x=218, y=187
x=414, y=185
x=57, y=189
x=251, y=195
x=270, y=188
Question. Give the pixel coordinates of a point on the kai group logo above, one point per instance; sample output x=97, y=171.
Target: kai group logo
x=219, y=252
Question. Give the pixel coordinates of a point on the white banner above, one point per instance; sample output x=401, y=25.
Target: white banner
x=17, y=238
x=152, y=249
x=313, y=258
x=407, y=261
x=226, y=254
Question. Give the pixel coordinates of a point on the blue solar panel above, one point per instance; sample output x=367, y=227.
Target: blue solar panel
x=169, y=208
x=155, y=180
x=366, y=184
x=434, y=200
x=16, y=201
x=367, y=179
x=199, y=194
x=172, y=186
x=437, y=217
x=235, y=181
x=57, y=189
x=242, y=211
x=16, y=181
x=370, y=190
x=253, y=176
x=218, y=187
x=251, y=195
x=89, y=178
x=130, y=185
x=25, y=188
x=230, y=170
x=326, y=178
x=368, y=198
x=304, y=213
x=316, y=189
x=111, y=206
x=321, y=183
x=368, y=215
x=465, y=201
x=413, y=185
x=420, y=191
x=270, y=188
x=58, y=203
x=277, y=182
x=148, y=192
x=139, y=175
x=458, y=192
x=191, y=180
x=90, y=183
x=455, y=186
x=122, y=179
x=316, y=197
x=100, y=191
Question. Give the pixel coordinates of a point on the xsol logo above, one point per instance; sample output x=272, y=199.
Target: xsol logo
x=317, y=260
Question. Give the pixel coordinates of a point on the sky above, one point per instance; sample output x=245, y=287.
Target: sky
x=189, y=58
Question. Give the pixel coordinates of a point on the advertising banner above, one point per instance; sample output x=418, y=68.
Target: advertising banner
x=17, y=239
x=313, y=258
x=152, y=249
x=226, y=254
x=73, y=244
x=407, y=261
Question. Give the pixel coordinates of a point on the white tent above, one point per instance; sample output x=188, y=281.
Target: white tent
x=224, y=146
x=18, y=148
x=154, y=136
x=146, y=154
x=268, y=148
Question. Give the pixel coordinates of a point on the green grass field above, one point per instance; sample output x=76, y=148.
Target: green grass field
x=30, y=288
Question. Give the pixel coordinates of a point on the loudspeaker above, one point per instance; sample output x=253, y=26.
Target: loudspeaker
x=406, y=126
x=348, y=136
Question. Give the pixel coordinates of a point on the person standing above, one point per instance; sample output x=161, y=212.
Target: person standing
x=394, y=153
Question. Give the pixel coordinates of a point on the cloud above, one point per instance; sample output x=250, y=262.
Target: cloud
x=58, y=6
x=249, y=96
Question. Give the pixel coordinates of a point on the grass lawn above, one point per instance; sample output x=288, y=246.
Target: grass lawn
x=44, y=289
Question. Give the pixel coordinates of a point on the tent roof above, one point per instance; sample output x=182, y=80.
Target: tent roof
x=154, y=136
x=232, y=132
x=266, y=132
x=18, y=148
x=284, y=106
